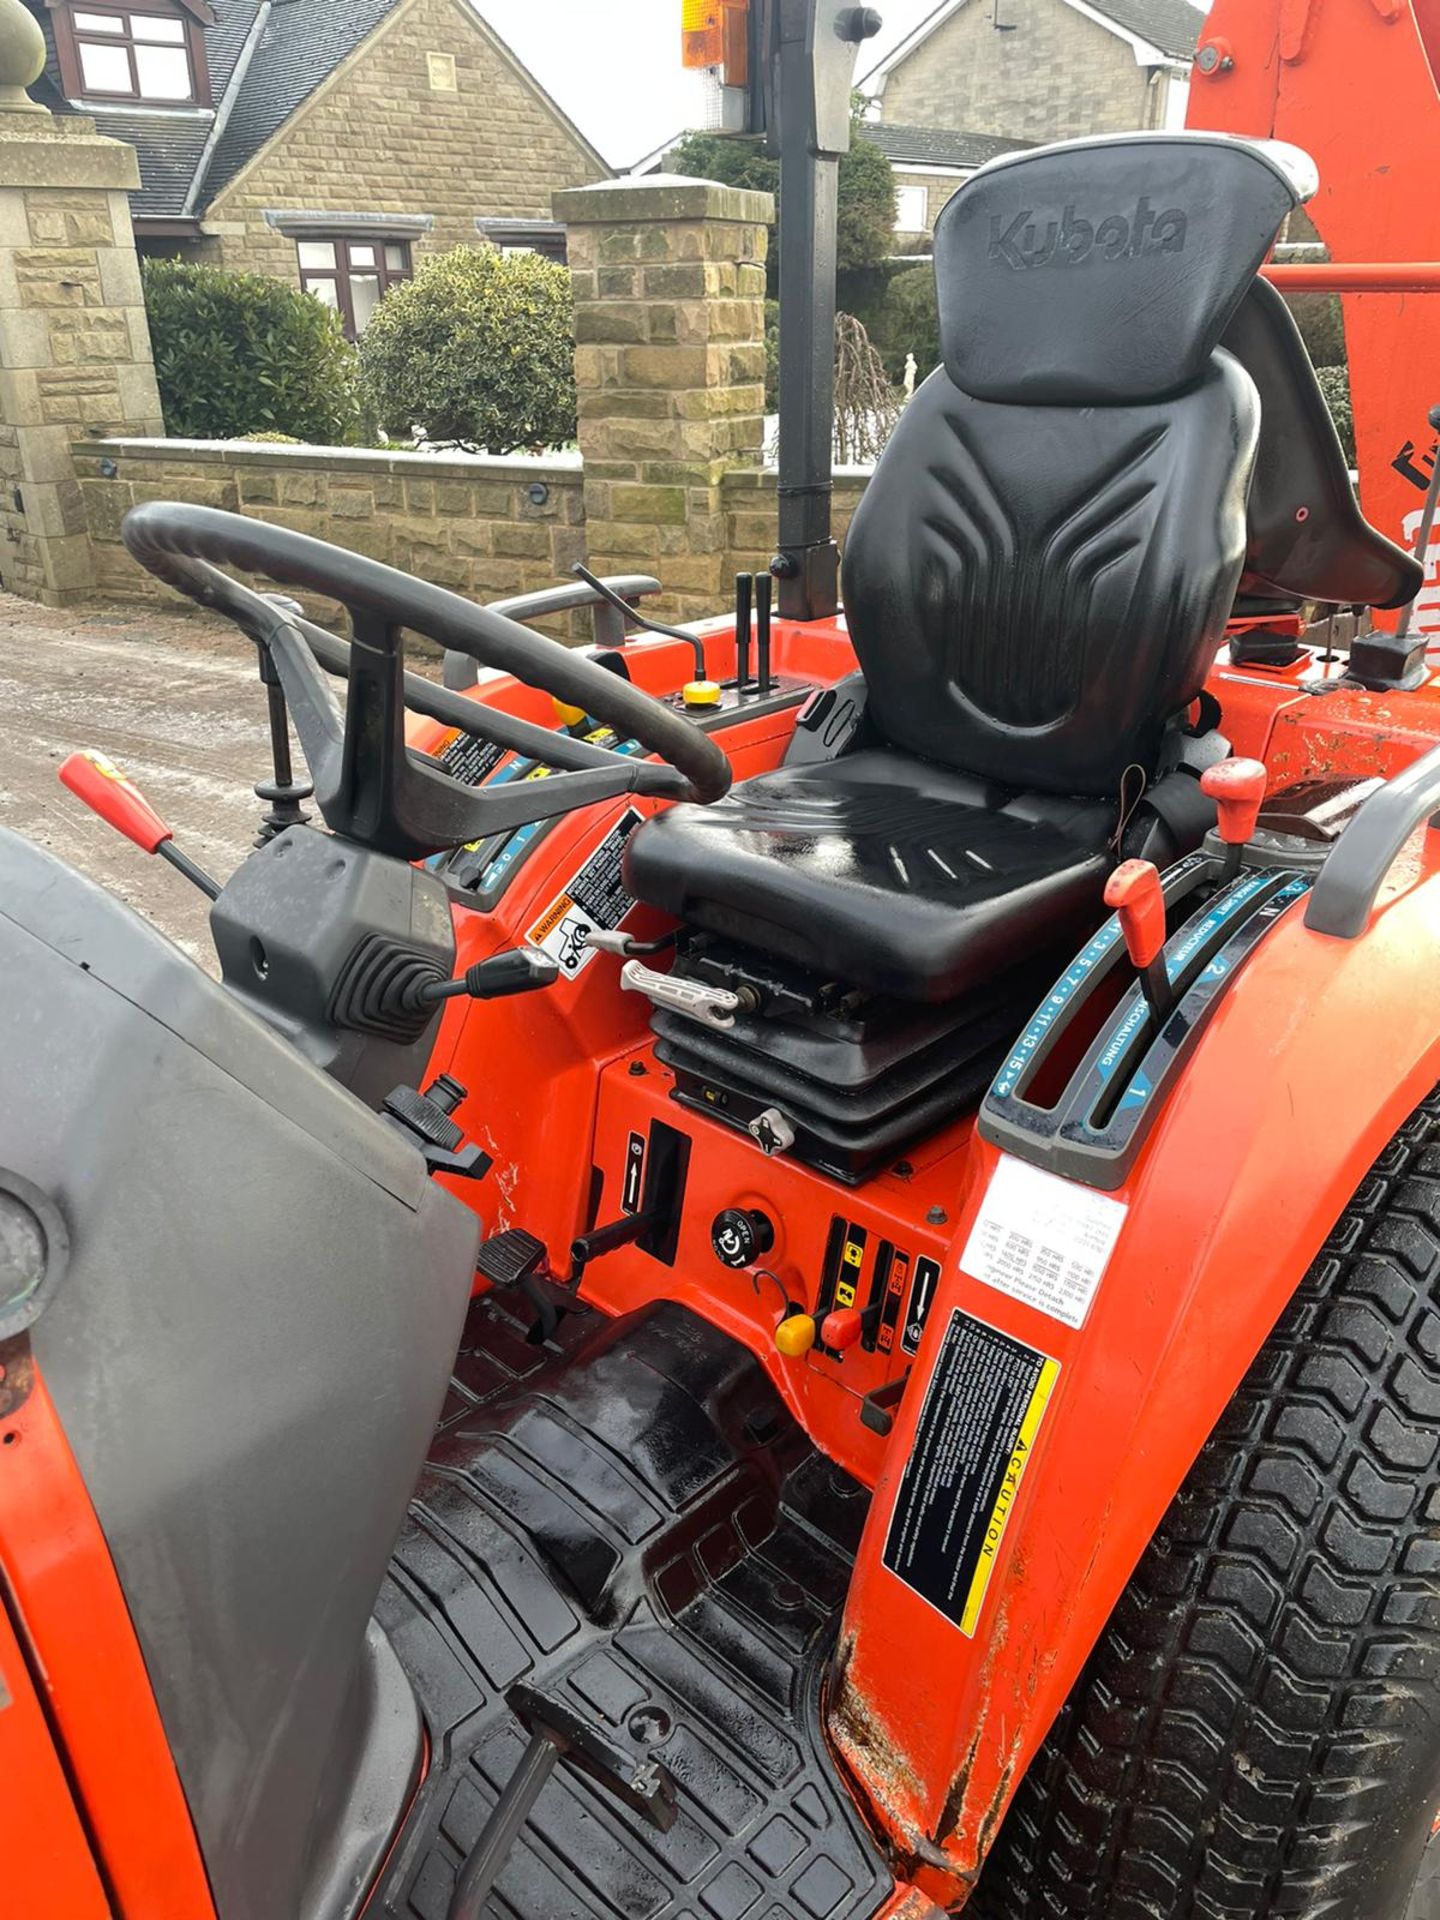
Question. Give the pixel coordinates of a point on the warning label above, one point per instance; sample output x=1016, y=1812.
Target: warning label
x=471, y=759
x=594, y=896
x=1043, y=1240
x=983, y=1409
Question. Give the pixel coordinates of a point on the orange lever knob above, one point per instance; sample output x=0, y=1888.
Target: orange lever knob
x=105, y=790
x=1134, y=892
x=1238, y=789
x=842, y=1329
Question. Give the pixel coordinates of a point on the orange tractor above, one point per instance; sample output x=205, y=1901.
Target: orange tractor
x=832, y=1311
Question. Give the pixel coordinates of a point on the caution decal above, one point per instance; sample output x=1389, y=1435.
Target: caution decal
x=983, y=1412
x=594, y=897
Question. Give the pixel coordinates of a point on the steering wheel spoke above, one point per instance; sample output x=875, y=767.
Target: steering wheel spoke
x=368, y=785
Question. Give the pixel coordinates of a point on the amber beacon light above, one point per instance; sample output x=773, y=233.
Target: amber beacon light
x=715, y=34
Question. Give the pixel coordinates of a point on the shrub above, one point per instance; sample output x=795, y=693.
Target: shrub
x=239, y=353
x=909, y=322
x=476, y=351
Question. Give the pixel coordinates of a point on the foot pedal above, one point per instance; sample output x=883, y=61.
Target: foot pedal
x=557, y=1733
x=509, y=1259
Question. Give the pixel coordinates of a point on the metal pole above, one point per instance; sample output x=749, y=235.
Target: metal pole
x=512, y=1810
x=817, y=44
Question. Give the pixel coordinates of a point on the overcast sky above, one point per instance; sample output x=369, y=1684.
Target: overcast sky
x=614, y=65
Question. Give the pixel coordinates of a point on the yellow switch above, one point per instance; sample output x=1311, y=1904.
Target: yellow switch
x=795, y=1335
x=701, y=693
x=568, y=716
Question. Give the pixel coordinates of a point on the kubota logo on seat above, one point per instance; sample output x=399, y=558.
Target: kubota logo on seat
x=1070, y=241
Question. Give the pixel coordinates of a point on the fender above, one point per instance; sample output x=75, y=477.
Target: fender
x=1231, y=1200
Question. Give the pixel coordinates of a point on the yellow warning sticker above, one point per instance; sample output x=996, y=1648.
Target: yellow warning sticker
x=983, y=1411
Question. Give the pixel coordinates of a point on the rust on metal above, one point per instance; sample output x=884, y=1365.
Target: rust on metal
x=17, y=1374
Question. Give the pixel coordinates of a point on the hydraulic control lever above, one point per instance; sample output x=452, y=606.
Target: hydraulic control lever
x=103, y=788
x=521, y=970
x=1238, y=789
x=1135, y=894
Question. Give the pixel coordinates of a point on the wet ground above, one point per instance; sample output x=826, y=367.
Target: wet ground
x=172, y=698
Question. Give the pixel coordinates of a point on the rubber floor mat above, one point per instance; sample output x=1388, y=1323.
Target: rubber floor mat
x=629, y=1518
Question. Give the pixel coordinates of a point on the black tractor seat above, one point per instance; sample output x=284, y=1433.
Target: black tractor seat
x=1040, y=574
x=888, y=872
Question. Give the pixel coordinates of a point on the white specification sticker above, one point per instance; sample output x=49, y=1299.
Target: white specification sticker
x=595, y=897
x=1043, y=1240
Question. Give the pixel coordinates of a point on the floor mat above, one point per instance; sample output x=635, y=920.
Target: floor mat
x=629, y=1518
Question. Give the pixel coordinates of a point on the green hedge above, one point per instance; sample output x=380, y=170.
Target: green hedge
x=240, y=353
x=476, y=351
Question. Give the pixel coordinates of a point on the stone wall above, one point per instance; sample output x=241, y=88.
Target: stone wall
x=1055, y=76
x=380, y=137
x=74, y=341
x=483, y=527
x=751, y=514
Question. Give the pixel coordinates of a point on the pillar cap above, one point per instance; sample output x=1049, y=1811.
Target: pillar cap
x=22, y=58
x=661, y=197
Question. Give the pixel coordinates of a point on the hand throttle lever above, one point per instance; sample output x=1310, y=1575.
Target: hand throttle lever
x=103, y=788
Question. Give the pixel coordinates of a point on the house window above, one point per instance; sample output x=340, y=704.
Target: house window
x=912, y=210
x=352, y=275
x=150, y=53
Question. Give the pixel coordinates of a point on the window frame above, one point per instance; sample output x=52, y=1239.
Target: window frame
x=902, y=188
x=69, y=36
x=345, y=270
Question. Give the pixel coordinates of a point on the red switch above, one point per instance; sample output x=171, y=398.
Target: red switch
x=842, y=1329
x=1134, y=892
x=1238, y=789
x=105, y=790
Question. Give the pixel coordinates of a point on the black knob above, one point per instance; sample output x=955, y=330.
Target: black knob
x=740, y=1237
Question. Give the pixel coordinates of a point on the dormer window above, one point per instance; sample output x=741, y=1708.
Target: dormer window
x=150, y=53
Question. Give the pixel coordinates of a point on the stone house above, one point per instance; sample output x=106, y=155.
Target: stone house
x=329, y=143
x=982, y=77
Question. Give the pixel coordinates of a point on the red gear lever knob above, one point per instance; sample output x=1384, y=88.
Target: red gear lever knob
x=1135, y=893
x=842, y=1329
x=105, y=790
x=1238, y=789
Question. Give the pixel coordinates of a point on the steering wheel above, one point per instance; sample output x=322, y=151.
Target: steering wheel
x=369, y=787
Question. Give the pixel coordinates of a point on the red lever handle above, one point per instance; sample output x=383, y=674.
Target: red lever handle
x=105, y=790
x=842, y=1329
x=1134, y=892
x=1238, y=789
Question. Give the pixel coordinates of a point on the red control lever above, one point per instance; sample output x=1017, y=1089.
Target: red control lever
x=1134, y=892
x=1238, y=789
x=105, y=790
x=842, y=1329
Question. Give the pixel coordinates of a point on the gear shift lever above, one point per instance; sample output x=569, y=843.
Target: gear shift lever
x=1134, y=892
x=1238, y=789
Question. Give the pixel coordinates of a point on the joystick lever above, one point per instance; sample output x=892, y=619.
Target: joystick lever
x=1238, y=789
x=1135, y=894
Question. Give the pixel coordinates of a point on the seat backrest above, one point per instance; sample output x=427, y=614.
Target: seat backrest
x=1307, y=538
x=1040, y=572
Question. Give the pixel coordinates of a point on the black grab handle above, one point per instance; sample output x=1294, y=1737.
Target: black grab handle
x=1343, y=897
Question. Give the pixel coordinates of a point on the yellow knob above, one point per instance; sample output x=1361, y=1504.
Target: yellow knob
x=568, y=716
x=795, y=1335
x=701, y=693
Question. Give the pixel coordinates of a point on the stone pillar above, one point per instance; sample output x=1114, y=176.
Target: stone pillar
x=75, y=355
x=669, y=286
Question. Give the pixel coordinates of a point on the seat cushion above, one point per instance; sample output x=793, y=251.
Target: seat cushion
x=880, y=870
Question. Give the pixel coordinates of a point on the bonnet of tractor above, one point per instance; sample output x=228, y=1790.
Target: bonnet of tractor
x=791, y=1274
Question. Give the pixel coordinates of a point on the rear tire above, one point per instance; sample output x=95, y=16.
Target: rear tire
x=1257, y=1733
